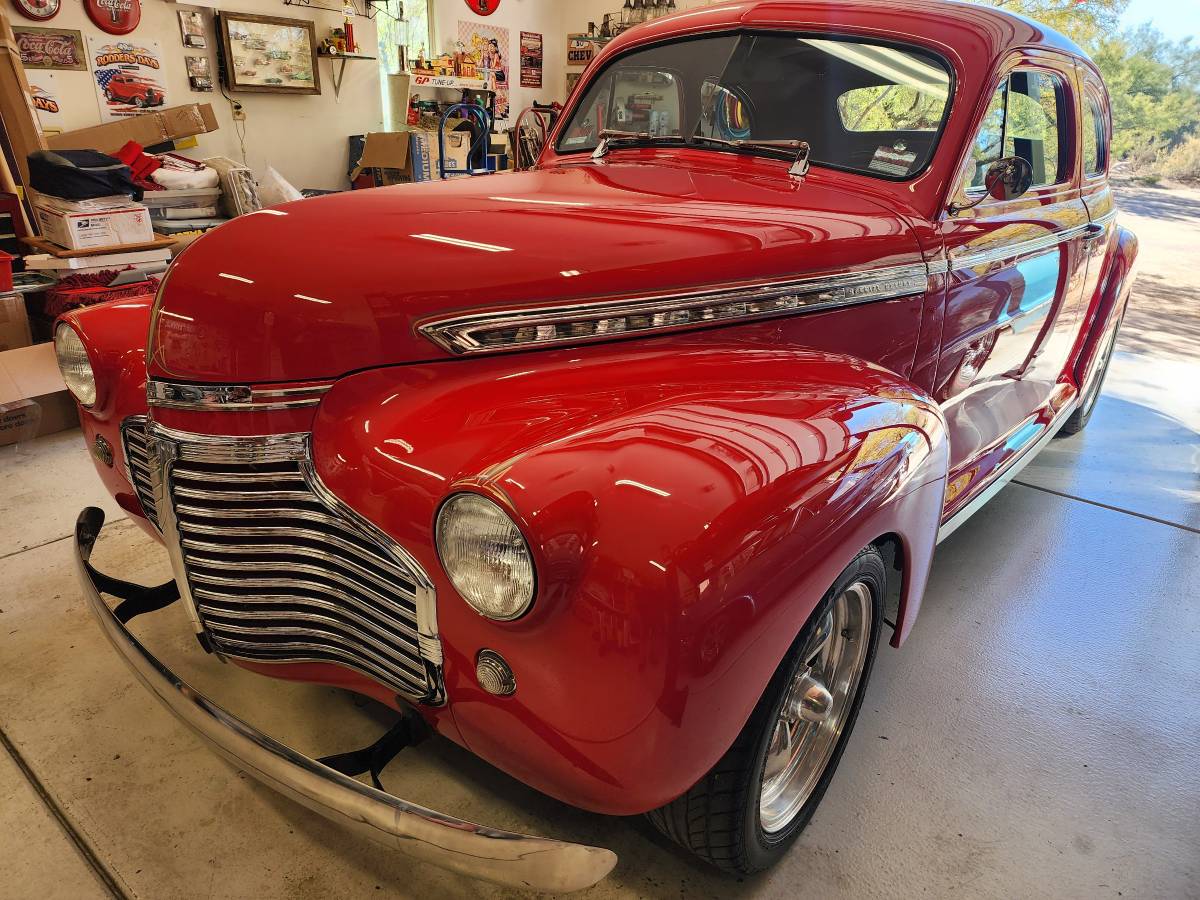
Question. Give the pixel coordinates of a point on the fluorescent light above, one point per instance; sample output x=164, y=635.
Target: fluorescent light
x=643, y=487
x=312, y=299
x=235, y=278
x=538, y=202
x=459, y=242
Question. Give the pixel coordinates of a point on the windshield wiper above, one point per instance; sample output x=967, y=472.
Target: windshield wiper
x=610, y=136
x=799, y=150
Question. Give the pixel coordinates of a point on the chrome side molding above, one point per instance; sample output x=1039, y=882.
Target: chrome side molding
x=232, y=397
x=490, y=854
x=521, y=328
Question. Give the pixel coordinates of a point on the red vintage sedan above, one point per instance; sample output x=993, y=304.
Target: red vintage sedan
x=615, y=471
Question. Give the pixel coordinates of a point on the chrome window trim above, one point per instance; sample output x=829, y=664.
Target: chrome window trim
x=815, y=294
x=232, y=397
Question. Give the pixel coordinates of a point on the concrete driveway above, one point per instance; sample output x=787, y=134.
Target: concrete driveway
x=1038, y=736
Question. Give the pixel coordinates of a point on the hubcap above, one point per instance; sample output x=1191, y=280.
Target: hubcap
x=815, y=711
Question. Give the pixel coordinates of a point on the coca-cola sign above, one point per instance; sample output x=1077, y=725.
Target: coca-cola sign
x=483, y=7
x=50, y=48
x=114, y=16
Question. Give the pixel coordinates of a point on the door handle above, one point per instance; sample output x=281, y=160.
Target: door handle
x=1094, y=231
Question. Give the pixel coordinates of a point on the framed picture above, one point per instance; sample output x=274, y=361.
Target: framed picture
x=199, y=73
x=50, y=48
x=269, y=54
x=191, y=28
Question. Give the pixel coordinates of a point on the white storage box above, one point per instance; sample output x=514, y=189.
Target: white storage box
x=156, y=200
x=89, y=229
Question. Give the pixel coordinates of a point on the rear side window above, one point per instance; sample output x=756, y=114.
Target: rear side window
x=1095, y=147
x=1026, y=118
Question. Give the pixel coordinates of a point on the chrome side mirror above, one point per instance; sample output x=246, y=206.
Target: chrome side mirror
x=1006, y=179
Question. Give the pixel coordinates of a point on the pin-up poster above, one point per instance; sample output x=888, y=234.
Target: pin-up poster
x=129, y=76
x=489, y=44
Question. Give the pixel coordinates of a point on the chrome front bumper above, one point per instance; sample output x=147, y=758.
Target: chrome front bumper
x=502, y=857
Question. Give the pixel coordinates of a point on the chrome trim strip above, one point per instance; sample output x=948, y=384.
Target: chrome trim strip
x=231, y=397
x=1015, y=465
x=960, y=261
x=457, y=334
x=501, y=857
x=1106, y=218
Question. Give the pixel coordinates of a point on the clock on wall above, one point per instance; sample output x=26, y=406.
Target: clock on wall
x=483, y=7
x=114, y=16
x=38, y=10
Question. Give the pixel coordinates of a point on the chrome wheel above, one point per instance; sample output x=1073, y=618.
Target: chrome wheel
x=817, y=707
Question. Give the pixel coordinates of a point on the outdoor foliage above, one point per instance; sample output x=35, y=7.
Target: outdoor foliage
x=1153, y=81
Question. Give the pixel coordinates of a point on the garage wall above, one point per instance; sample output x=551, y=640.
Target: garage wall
x=544, y=16
x=303, y=137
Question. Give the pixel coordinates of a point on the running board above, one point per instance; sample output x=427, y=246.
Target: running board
x=1017, y=463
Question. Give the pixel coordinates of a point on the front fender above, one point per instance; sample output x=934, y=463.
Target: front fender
x=115, y=335
x=687, y=502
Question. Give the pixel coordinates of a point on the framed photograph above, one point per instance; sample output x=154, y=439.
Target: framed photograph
x=191, y=29
x=268, y=54
x=199, y=73
x=50, y=48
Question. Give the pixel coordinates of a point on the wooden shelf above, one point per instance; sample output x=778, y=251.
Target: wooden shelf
x=54, y=250
x=339, y=72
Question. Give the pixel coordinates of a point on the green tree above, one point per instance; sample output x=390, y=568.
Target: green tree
x=1084, y=21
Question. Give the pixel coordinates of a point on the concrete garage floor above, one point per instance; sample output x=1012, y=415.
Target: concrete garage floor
x=1038, y=736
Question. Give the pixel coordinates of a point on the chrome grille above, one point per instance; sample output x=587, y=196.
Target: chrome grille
x=279, y=570
x=137, y=462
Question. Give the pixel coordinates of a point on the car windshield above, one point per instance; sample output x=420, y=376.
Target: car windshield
x=861, y=106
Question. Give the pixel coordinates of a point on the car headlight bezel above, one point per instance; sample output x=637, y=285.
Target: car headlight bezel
x=467, y=525
x=75, y=364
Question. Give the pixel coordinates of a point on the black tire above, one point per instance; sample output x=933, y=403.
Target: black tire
x=718, y=819
x=108, y=95
x=1083, y=413
x=139, y=102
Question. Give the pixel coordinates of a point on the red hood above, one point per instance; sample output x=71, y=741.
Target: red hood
x=321, y=287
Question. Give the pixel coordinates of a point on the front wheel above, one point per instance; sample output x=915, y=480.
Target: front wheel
x=749, y=809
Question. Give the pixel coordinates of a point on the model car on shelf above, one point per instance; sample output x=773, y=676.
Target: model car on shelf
x=628, y=505
x=133, y=89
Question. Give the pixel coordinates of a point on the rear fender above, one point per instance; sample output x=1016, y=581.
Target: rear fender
x=687, y=503
x=1107, y=308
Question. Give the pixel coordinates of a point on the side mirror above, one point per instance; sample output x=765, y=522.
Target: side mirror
x=1006, y=179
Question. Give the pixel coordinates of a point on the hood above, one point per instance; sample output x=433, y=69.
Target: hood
x=317, y=288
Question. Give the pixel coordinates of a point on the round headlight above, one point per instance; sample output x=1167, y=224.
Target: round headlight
x=486, y=557
x=74, y=364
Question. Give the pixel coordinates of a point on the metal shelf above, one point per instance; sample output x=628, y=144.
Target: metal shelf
x=339, y=72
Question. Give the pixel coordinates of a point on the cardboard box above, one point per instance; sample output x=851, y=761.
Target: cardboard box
x=386, y=153
x=14, y=322
x=426, y=152
x=400, y=157
x=33, y=399
x=88, y=229
x=147, y=129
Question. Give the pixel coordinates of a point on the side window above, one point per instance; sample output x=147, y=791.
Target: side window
x=1095, y=149
x=986, y=149
x=1034, y=124
x=890, y=107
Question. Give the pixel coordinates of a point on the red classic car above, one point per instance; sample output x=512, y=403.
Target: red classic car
x=133, y=89
x=624, y=505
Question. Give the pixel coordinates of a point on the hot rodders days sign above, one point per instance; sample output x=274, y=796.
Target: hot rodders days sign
x=129, y=76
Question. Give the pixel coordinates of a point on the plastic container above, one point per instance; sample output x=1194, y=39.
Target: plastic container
x=184, y=197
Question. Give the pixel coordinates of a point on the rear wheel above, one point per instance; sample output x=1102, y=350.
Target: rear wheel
x=748, y=810
x=1083, y=413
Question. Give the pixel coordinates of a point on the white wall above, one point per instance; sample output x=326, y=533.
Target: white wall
x=304, y=137
x=543, y=16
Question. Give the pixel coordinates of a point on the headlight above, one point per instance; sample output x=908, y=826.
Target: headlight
x=74, y=364
x=486, y=557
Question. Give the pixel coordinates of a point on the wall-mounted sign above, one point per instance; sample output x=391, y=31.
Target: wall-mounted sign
x=580, y=49
x=44, y=91
x=483, y=7
x=489, y=44
x=129, y=76
x=114, y=16
x=191, y=28
x=38, y=10
x=531, y=59
x=50, y=48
